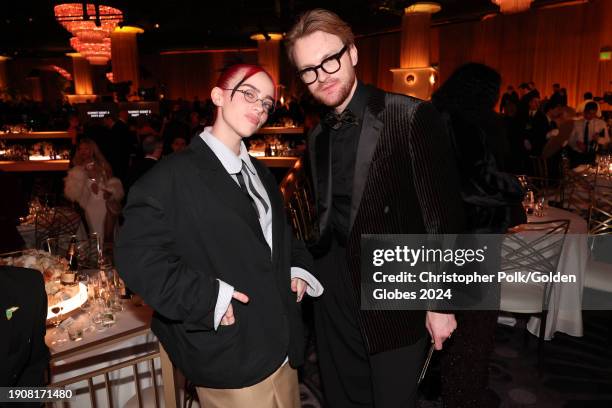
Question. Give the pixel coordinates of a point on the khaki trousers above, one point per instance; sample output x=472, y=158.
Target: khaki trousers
x=279, y=390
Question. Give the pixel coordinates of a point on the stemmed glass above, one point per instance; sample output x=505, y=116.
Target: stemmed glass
x=58, y=314
x=58, y=334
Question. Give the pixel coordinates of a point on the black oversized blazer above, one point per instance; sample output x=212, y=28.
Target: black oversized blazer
x=24, y=356
x=405, y=182
x=187, y=224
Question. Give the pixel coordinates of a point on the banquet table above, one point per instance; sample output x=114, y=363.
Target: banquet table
x=594, y=179
x=565, y=306
x=129, y=337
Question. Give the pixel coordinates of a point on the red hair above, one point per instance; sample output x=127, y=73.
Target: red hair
x=247, y=70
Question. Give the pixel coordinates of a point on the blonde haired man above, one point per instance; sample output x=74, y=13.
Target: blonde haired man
x=381, y=164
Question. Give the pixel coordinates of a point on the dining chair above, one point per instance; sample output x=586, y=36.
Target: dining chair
x=577, y=192
x=57, y=222
x=598, y=274
x=533, y=247
x=548, y=188
x=298, y=196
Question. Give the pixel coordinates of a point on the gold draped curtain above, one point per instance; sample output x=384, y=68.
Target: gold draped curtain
x=557, y=45
x=186, y=75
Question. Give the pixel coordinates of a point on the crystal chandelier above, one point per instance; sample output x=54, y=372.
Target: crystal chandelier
x=512, y=6
x=91, y=26
x=97, y=53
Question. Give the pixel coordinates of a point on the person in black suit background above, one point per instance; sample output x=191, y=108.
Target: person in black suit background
x=152, y=149
x=12, y=206
x=207, y=245
x=24, y=355
x=544, y=126
x=493, y=203
x=120, y=146
x=510, y=96
x=381, y=163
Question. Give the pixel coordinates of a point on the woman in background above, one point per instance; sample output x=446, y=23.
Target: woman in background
x=91, y=184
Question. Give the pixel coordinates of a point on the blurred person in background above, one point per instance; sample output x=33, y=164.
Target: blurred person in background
x=11, y=208
x=588, y=135
x=91, y=184
x=178, y=144
x=493, y=203
x=152, y=148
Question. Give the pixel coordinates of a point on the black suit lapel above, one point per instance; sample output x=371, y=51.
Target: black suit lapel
x=217, y=179
x=368, y=140
x=320, y=149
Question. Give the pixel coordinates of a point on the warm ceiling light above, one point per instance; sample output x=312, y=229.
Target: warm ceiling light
x=70, y=15
x=96, y=53
x=91, y=28
x=512, y=6
x=423, y=7
x=267, y=36
x=129, y=29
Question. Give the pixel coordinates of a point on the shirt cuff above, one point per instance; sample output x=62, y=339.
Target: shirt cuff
x=314, y=288
x=223, y=301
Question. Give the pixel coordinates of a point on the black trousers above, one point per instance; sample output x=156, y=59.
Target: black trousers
x=350, y=377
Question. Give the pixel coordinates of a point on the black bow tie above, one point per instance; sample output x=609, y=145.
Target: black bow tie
x=336, y=121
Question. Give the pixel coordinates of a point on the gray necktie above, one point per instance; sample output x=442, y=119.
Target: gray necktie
x=252, y=189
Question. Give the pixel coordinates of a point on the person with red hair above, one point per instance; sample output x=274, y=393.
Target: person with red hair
x=206, y=243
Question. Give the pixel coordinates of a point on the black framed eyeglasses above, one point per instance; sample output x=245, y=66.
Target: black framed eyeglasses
x=330, y=65
x=251, y=97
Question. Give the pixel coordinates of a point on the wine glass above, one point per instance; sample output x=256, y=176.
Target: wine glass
x=51, y=245
x=58, y=332
x=57, y=309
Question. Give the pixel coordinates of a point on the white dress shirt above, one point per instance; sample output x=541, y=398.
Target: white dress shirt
x=233, y=165
x=596, y=127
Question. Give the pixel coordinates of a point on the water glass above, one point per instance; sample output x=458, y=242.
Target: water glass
x=539, y=207
x=75, y=331
x=51, y=245
x=108, y=317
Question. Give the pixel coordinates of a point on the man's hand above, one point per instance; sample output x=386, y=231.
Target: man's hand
x=440, y=327
x=299, y=286
x=229, y=318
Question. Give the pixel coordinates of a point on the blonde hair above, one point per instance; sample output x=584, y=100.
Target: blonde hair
x=97, y=157
x=318, y=20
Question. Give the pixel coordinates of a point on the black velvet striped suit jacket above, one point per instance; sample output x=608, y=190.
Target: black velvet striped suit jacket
x=405, y=182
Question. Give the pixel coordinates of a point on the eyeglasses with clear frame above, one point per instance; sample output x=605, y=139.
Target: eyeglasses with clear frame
x=329, y=65
x=251, y=97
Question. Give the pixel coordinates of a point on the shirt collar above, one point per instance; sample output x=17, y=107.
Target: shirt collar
x=229, y=160
x=359, y=101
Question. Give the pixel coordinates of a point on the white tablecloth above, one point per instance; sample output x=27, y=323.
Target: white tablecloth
x=122, y=381
x=565, y=307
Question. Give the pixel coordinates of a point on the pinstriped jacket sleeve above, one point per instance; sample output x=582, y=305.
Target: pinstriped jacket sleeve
x=435, y=172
